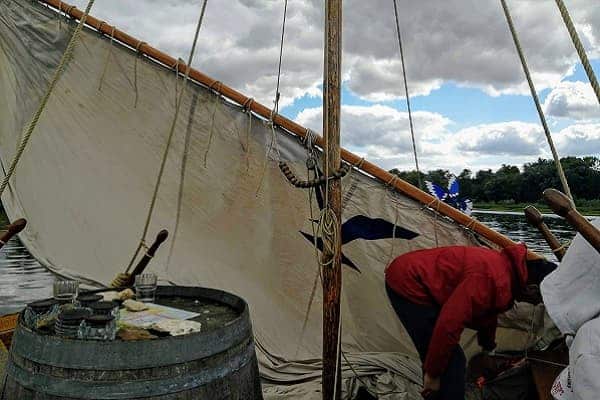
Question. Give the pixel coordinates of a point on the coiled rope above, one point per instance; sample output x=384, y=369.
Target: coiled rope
x=38, y=113
x=561, y=173
x=408, y=107
x=564, y=12
x=169, y=139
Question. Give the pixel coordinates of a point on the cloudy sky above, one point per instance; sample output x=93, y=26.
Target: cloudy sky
x=472, y=105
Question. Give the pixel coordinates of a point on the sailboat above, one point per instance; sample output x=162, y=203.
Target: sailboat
x=88, y=177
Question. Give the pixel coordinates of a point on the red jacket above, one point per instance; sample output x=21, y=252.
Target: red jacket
x=471, y=285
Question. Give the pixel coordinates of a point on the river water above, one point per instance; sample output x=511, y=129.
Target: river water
x=23, y=279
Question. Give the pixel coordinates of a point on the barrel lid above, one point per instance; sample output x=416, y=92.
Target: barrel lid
x=89, y=298
x=42, y=305
x=103, y=305
x=99, y=320
x=74, y=314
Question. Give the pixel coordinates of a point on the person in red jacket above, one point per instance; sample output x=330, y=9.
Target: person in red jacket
x=439, y=292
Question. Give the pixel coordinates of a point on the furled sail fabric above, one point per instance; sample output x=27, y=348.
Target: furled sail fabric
x=86, y=180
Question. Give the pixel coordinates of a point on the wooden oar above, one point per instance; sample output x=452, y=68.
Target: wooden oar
x=535, y=219
x=12, y=230
x=563, y=206
x=127, y=279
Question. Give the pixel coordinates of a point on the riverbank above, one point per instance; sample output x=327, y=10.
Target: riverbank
x=589, y=207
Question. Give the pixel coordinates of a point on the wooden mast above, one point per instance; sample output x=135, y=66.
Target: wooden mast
x=331, y=257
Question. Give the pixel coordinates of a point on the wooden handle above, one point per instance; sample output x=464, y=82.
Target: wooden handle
x=564, y=207
x=535, y=219
x=160, y=238
x=13, y=229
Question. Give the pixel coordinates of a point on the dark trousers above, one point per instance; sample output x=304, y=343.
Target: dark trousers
x=419, y=321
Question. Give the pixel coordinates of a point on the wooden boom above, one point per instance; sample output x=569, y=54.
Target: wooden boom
x=535, y=219
x=290, y=126
x=564, y=207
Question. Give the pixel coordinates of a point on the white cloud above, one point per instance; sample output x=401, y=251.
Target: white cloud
x=575, y=100
x=382, y=135
x=382, y=131
x=461, y=41
x=507, y=138
x=579, y=140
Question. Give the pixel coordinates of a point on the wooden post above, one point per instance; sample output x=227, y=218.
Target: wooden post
x=563, y=206
x=331, y=257
x=535, y=219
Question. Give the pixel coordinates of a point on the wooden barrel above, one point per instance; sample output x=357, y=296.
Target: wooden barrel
x=217, y=363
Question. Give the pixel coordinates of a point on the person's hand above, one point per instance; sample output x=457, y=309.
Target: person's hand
x=431, y=385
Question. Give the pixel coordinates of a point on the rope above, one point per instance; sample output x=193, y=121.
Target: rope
x=275, y=109
x=182, y=174
x=176, y=70
x=536, y=100
x=135, y=72
x=318, y=275
x=562, y=247
x=108, y=55
x=389, y=191
x=217, y=85
x=277, y=94
x=59, y=16
x=579, y=46
x=36, y=116
x=169, y=139
x=410, y=119
x=248, y=108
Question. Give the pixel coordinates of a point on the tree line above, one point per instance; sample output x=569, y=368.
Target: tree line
x=519, y=185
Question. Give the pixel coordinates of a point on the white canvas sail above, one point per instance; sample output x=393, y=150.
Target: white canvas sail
x=86, y=180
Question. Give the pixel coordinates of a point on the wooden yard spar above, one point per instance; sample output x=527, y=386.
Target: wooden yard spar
x=291, y=126
x=332, y=232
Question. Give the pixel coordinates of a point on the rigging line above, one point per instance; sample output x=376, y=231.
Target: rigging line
x=36, y=116
x=410, y=119
x=511, y=26
x=564, y=12
x=107, y=60
x=275, y=110
x=182, y=175
x=277, y=94
x=169, y=139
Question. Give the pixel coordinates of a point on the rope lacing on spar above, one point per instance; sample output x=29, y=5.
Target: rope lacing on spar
x=390, y=187
x=135, y=71
x=38, y=113
x=108, y=54
x=216, y=87
x=176, y=72
x=169, y=140
x=247, y=107
x=534, y=95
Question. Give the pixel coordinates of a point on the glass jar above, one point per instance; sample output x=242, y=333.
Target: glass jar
x=65, y=290
x=41, y=313
x=98, y=327
x=68, y=322
x=105, y=308
x=85, y=300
